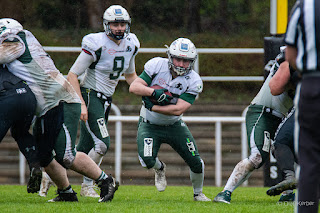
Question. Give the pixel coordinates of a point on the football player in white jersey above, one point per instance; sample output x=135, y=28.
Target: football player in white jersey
x=263, y=117
x=161, y=122
x=104, y=58
x=58, y=111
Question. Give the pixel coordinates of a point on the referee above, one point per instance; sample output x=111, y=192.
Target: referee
x=303, y=52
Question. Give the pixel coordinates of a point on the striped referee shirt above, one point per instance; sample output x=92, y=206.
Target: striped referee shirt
x=303, y=33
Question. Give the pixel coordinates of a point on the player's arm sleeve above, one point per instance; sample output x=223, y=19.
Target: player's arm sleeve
x=146, y=77
x=132, y=65
x=83, y=61
x=10, y=49
x=131, y=68
x=150, y=70
x=191, y=93
x=90, y=46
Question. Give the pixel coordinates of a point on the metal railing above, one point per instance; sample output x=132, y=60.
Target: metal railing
x=196, y=66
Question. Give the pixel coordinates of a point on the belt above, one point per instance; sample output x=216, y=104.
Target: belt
x=273, y=112
x=147, y=121
x=99, y=94
x=102, y=96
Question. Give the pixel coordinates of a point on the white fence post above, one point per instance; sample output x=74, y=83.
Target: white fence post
x=118, y=147
x=218, y=162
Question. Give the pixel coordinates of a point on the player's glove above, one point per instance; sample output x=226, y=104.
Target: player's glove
x=147, y=103
x=160, y=96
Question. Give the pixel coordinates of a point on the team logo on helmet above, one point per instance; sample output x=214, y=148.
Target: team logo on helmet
x=118, y=12
x=184, y=46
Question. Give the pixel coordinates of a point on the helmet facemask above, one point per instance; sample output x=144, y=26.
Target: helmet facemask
x=109, y=32
x=180, y=70
x=116, y=13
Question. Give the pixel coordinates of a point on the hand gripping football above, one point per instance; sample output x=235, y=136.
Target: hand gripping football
x=160, y=99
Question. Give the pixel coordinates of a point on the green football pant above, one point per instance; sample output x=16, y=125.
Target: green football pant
x=93, y=132
x=150, y=137
x=261, y=126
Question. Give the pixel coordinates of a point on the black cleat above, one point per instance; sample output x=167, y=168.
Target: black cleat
x=282, y=186
x=65, y=196
x=108, y=187
x=34, y=182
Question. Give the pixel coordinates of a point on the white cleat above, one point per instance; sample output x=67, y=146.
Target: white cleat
x=201, y=197
x=160, y=178
x=46, y=183
x=89, y=191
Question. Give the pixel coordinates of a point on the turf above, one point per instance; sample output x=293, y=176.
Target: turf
x=143, y=199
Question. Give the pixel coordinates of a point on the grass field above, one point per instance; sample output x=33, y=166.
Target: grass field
x=143, y=199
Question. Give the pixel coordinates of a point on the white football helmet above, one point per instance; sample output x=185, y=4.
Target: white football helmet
x=185, y=49
x=116, y=13
x=9, y=23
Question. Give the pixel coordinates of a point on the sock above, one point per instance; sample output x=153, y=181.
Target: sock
x=240, y=173
x=97, y=158
x=158, y=165
x=67, y=190
x=197, y=180
x=102, y=176
x=287, y=192
x=288, y=174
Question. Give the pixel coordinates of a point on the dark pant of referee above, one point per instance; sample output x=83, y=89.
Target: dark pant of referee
x=309, y=144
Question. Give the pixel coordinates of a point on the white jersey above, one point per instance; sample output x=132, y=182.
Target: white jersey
x=281, y=103
x=181, y=87
x=33, y=65
x=110, y=61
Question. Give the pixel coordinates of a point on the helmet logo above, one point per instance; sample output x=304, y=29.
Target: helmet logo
x=2, y=29
x=184, y=47
x=118, y=12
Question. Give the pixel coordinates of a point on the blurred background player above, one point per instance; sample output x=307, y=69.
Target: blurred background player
x=283, y=145
x=58, y=112
x=104, y=58
x=162, y=122
x=17, y=109
x=262, y=119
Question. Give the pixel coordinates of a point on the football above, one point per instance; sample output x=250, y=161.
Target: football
x=158, y=87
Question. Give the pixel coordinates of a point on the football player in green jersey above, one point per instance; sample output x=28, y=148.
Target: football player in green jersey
x=161, y=120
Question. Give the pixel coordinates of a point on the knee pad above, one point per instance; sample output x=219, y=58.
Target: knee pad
x=147, y=162
x=101, y=148
x=256, y=159
x=66, y=161
x=197, y=167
